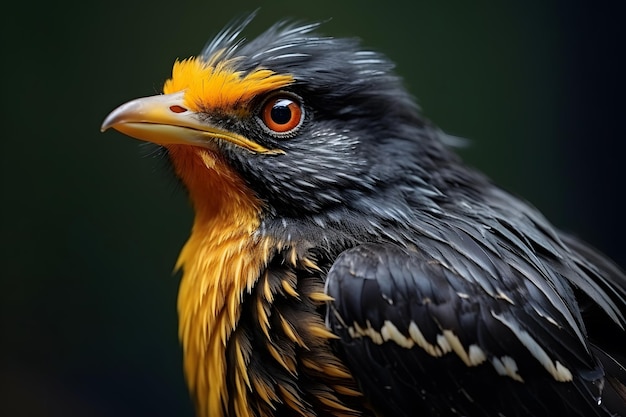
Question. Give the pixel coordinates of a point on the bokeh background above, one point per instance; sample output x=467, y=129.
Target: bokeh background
x=92, y=224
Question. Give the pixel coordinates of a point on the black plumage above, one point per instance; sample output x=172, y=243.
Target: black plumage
x=443, y=230
x=449, y=295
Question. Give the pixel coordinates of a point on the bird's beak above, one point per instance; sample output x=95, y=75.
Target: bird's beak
x=166, y=120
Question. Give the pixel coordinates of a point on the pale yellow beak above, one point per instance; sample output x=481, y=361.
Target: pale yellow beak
x=164, y=119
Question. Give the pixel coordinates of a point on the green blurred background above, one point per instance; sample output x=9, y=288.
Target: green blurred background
x=92, y=225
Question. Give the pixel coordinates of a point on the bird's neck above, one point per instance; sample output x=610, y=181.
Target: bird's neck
x=220, y=261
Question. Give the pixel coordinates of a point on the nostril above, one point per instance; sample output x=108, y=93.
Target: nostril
x=178, y=109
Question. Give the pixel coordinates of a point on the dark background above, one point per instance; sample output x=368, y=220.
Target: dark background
x=91, y=226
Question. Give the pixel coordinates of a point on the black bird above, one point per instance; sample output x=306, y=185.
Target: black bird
x=344, y=261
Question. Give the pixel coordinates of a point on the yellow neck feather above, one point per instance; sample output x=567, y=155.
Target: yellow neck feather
x=220, y=261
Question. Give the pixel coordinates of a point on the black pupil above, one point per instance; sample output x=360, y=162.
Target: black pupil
x=281, y=113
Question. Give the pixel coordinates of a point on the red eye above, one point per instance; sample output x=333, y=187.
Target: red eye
x=282, y=114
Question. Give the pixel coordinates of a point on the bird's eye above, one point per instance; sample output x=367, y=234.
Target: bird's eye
x=282, y=114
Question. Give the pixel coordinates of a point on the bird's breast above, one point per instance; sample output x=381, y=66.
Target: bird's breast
x=217, y=271
x=253, y=332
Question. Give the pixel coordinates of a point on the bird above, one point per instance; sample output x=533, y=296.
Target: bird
x=343, y=259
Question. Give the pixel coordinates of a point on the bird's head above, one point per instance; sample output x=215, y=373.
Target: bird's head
x=307, y=122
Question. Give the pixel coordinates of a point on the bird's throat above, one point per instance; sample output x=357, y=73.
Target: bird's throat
x=221, y=261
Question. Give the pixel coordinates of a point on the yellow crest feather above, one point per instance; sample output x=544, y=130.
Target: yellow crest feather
x=211, y=85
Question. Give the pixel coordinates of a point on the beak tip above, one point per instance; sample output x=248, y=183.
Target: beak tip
x=109, y=121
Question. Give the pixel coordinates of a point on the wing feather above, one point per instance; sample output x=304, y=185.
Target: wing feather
x=420, y=333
